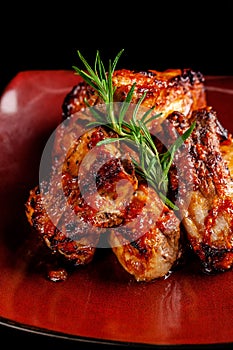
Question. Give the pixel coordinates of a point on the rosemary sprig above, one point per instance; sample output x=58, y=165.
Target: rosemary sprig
x=152, y=166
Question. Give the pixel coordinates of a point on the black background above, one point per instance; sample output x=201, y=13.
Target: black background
x=155, y=35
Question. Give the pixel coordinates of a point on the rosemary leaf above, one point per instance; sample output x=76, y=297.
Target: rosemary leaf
x=152, y=166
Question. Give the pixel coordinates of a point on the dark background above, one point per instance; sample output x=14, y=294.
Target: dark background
x=155, y=35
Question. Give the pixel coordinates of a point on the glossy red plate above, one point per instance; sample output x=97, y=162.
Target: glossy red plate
x=99, y=302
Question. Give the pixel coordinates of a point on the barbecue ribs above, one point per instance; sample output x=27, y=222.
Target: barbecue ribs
x=205, y=188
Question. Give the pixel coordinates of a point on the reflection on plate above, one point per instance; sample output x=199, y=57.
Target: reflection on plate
x=98, y=302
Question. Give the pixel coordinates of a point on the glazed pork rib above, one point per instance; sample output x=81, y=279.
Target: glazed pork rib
x=148, y=246
x=180, y=90
x=205, y=189
x=171, y=90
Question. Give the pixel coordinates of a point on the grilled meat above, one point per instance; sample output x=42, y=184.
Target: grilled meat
x=205, y=188
x=98, y=190
x=168, y=91
x=82, y=196
x=65, y=238
x=149, y=245
x=94, y=196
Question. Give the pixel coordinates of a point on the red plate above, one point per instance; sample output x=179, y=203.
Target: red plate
x=99, y=302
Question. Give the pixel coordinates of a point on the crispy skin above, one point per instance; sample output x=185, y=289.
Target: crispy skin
x=171, y=90
x=82, y=196
x=156, y=248
x=206, y=189
x=167, y=91
x=203, y=189
x=102, y=197
x=74, y=245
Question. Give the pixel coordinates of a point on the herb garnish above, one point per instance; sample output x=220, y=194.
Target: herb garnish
x=152, y=165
